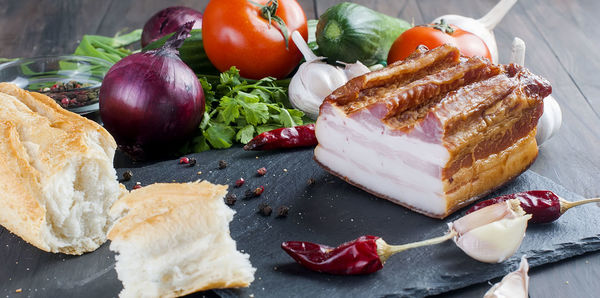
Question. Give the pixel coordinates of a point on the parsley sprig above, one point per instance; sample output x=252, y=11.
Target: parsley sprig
x=238, y=109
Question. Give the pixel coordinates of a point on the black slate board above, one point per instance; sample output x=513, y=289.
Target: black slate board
x=329, y=211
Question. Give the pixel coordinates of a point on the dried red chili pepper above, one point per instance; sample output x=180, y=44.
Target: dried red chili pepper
x=544, y=205
x=288, y=137
x=365, y=255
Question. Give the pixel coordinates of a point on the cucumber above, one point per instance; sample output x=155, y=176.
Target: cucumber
x=349, y=32
x=191, y=52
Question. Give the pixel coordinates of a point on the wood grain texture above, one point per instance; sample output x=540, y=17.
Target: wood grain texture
x=562, y=45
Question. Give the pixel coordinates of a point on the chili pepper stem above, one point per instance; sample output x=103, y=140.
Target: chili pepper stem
x=385, y=250
x=566, y=205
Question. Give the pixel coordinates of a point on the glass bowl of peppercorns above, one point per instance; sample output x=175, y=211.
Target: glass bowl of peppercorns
x=72, y=81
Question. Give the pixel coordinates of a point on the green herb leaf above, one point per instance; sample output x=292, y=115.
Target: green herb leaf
x=230, y=110
x=263, y=128
x=219, y=135
x=245, y=134
x=286, y=119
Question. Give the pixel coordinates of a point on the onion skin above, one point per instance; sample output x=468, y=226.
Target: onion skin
x=152, y=102
x=168, y=21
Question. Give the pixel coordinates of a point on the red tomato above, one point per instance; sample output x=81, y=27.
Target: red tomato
x=235, y=34
x=467, y=43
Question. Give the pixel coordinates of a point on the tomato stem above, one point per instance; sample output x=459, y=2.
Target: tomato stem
x=268, y=12
x=442, y=26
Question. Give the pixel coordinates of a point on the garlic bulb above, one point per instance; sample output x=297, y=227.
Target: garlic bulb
x=315, y=79
x=513, y=285
x=551, y=119
x=492, y=234
x=484, y=26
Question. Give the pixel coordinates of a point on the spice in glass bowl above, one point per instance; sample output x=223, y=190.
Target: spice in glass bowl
x=72, y=93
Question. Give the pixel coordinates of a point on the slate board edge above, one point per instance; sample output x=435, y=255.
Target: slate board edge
x=543, y=258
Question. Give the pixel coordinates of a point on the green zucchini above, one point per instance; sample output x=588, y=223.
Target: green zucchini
x=349, y=32
x=191, y=52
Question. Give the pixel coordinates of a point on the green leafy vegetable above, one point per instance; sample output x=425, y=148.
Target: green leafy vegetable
x=111, y=49
x=238, y=109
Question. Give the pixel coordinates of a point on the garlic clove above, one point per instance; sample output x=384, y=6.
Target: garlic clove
x=492, y=234
x=321, y=78
x=315, y=79
x=495, y=241
x=513, y=285
x=489, y=214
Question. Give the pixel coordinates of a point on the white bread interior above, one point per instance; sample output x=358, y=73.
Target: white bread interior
x=57, y=180
x=173, y=239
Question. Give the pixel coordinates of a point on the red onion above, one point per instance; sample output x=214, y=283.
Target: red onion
x=151, y=102
x=168, y=21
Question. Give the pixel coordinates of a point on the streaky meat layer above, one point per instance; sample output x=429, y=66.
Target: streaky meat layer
x=434, y=131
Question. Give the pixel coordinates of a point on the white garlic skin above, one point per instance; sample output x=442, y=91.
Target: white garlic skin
x=513, y=285
x=314, y=81
x=550, y=122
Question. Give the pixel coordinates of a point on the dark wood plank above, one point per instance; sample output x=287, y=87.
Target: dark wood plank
x=46, y=27
x=575, y=40
x=133, y=14
x=404, y=9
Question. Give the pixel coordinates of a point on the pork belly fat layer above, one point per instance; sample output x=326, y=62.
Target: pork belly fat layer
x=425, y=143
x=365, y=152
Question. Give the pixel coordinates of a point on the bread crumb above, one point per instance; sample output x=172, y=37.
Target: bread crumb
x=199, y=173
x=567, y=282
x=251, y=295
x=285, y=170
x=19, y=290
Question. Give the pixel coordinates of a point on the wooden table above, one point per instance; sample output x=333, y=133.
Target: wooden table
x=563, y=45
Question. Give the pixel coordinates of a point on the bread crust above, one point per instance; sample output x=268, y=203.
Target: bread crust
x=38, y=138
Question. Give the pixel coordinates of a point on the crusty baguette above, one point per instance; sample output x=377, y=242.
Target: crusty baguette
x=57, y=181
x=173, y=239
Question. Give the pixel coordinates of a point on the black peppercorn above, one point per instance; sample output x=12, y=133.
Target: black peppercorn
x=310, y=181
x=192, y=162
x=222, y=164
x=249, y=194
x=282, y=211
x=265, y=209
x=230, y=199
x=127, y=175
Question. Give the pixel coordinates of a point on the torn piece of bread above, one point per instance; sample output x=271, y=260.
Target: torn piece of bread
x=173, y=239
x=56, y=173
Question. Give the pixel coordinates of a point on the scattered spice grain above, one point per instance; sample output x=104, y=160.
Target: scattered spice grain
x=282, y=211
x=222, y=164
x=239, y=182
x=262, y=171
x=264, y=209
x=230, y=199
x=127, y=175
